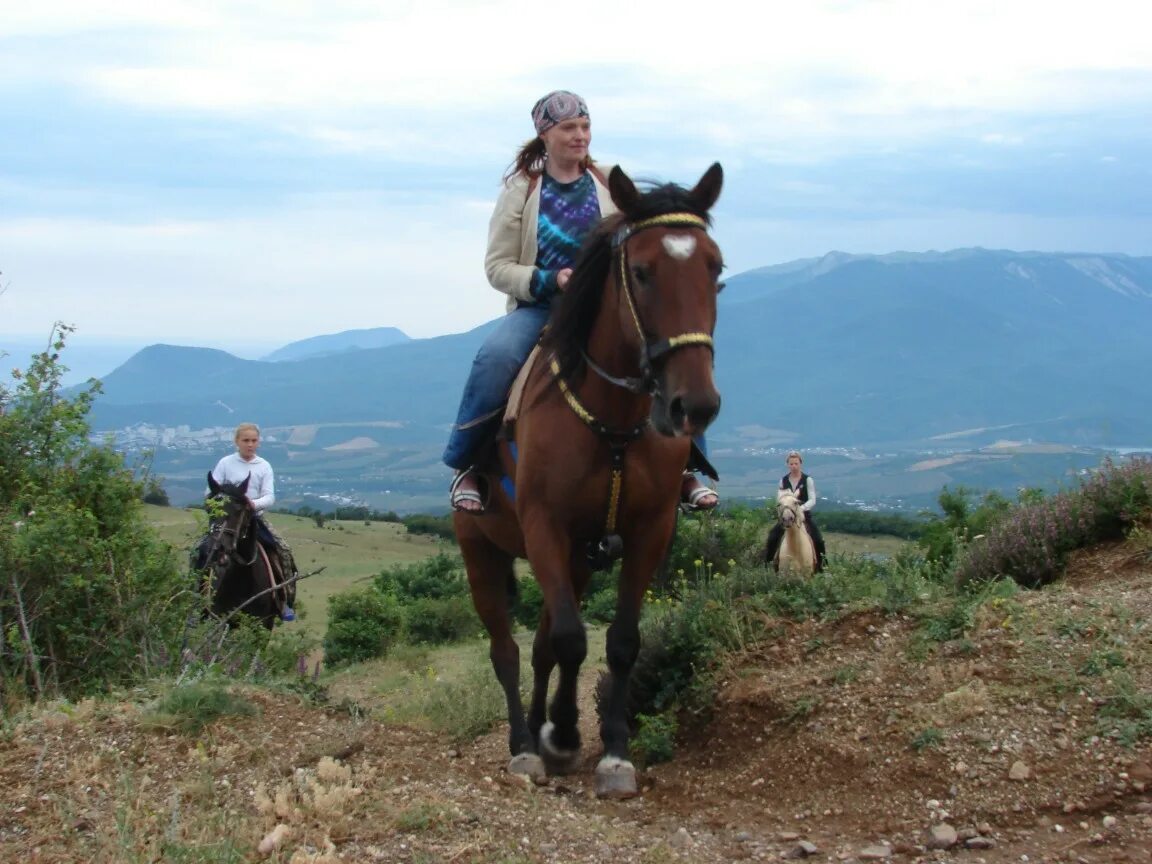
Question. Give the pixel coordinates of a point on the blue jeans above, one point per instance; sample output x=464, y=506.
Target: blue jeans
x=493, y=371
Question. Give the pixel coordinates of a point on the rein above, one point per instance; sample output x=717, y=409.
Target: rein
x=611, y=546
x=238, y=532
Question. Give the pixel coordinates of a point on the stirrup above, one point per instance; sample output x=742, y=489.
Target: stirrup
x=691, y=493
x=456, y=495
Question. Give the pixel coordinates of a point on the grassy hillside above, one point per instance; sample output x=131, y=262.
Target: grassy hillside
x=349, y=552
x=352, y=552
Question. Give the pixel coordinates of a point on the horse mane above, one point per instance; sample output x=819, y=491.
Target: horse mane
x=575, y=310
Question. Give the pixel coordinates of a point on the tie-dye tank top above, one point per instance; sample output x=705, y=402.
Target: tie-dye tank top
x=568, y=211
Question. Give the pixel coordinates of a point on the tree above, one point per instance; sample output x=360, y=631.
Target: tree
x=89, y=595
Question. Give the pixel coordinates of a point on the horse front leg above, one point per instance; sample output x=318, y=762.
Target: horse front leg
x=560, y=642
x=559, y=737
x=615, y=774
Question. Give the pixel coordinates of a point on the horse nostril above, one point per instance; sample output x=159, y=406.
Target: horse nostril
x=694, y=415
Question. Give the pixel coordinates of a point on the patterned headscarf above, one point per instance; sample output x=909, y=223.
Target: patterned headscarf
x=556, y=107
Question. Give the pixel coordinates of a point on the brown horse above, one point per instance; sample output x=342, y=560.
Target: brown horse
x=594, y=471
x=796, y=552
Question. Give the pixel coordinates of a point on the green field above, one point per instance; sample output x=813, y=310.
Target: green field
x=350, y=552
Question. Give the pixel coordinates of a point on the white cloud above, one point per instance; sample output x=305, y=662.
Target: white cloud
x=319, y=266
x=432, y=91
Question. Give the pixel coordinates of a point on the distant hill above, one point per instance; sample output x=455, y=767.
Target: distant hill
x=338, y=343
x=872, y=354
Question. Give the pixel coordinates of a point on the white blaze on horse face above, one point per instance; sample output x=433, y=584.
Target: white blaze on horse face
x=679, y=246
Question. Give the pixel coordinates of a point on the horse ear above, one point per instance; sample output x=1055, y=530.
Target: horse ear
x=624, y=194
x=708, y=189
x=243, y=487
x=213, y=486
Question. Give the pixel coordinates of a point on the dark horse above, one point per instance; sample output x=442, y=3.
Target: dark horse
x=601, y=440
x=237, y=566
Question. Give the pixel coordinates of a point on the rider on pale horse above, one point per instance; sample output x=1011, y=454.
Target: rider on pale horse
x=803, y=487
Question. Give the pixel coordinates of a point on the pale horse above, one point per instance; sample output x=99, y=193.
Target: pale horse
x=796, y=552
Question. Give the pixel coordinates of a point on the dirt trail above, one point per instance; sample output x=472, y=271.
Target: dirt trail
x=829, y=743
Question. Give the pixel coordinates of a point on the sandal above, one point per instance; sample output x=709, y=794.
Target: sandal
x=694, y=495
x=464, y=493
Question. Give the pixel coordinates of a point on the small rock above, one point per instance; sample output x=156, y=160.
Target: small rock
x=681, y=839
x=802, y=850
x=787, y=836
x=1019, y=771
x=743, y=837
x=1109, y=822
x=980, y=843
x=875, y=853
x=942, y=836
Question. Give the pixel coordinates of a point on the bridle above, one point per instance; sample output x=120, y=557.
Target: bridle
x=221, y=530
x=794, y=508
x=650, y=351
x=610, y=547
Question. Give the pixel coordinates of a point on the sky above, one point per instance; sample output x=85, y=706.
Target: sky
x=245, y=174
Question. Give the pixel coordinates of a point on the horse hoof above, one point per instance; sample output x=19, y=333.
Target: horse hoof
x=529, y=765
x=616, y=779
x=558, y=760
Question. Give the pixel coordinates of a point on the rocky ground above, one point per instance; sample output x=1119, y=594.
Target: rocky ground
x=838, y=741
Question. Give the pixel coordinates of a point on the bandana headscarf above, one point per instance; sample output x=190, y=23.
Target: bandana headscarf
x=556, y=107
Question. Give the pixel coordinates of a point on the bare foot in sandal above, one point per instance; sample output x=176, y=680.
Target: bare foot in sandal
x=464, y=493
x=694, y=495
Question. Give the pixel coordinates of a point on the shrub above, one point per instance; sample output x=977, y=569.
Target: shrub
x=1031, y=544
x=89, y=596
x=718, y=540
x=439, y=620
x=288, y=650
x=440, y=576
x=655, y=738
x=529, y=603
x=436, y=526
x=943, y=537
x=362, y=625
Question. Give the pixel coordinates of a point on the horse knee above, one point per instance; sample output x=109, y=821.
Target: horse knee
x=570, y=645
x=622, y=649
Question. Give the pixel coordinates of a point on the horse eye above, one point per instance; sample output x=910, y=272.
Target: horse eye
x=640, y=273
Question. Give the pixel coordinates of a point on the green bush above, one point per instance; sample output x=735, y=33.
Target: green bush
x=90, y=597
x=436, y=526
x=1032, y=542
x=440, y=620
x=362, y=625
x=529, y=603
x=288, y=650
x=710, y=545
x=943, y=537
x=440, y=576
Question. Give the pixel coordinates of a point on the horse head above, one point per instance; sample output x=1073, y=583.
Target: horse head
x=788, y=510
x=668, y=269
x=230, y=516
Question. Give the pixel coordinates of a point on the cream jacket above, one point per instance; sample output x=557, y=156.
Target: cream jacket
x=512, y=248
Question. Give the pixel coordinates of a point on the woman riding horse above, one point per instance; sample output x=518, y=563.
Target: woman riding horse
x=553, y=195
x=803, y=487
x=796, y=552
x=605, y=426
x=240, y=572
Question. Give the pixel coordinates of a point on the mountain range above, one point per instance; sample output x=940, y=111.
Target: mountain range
x=901, y=353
